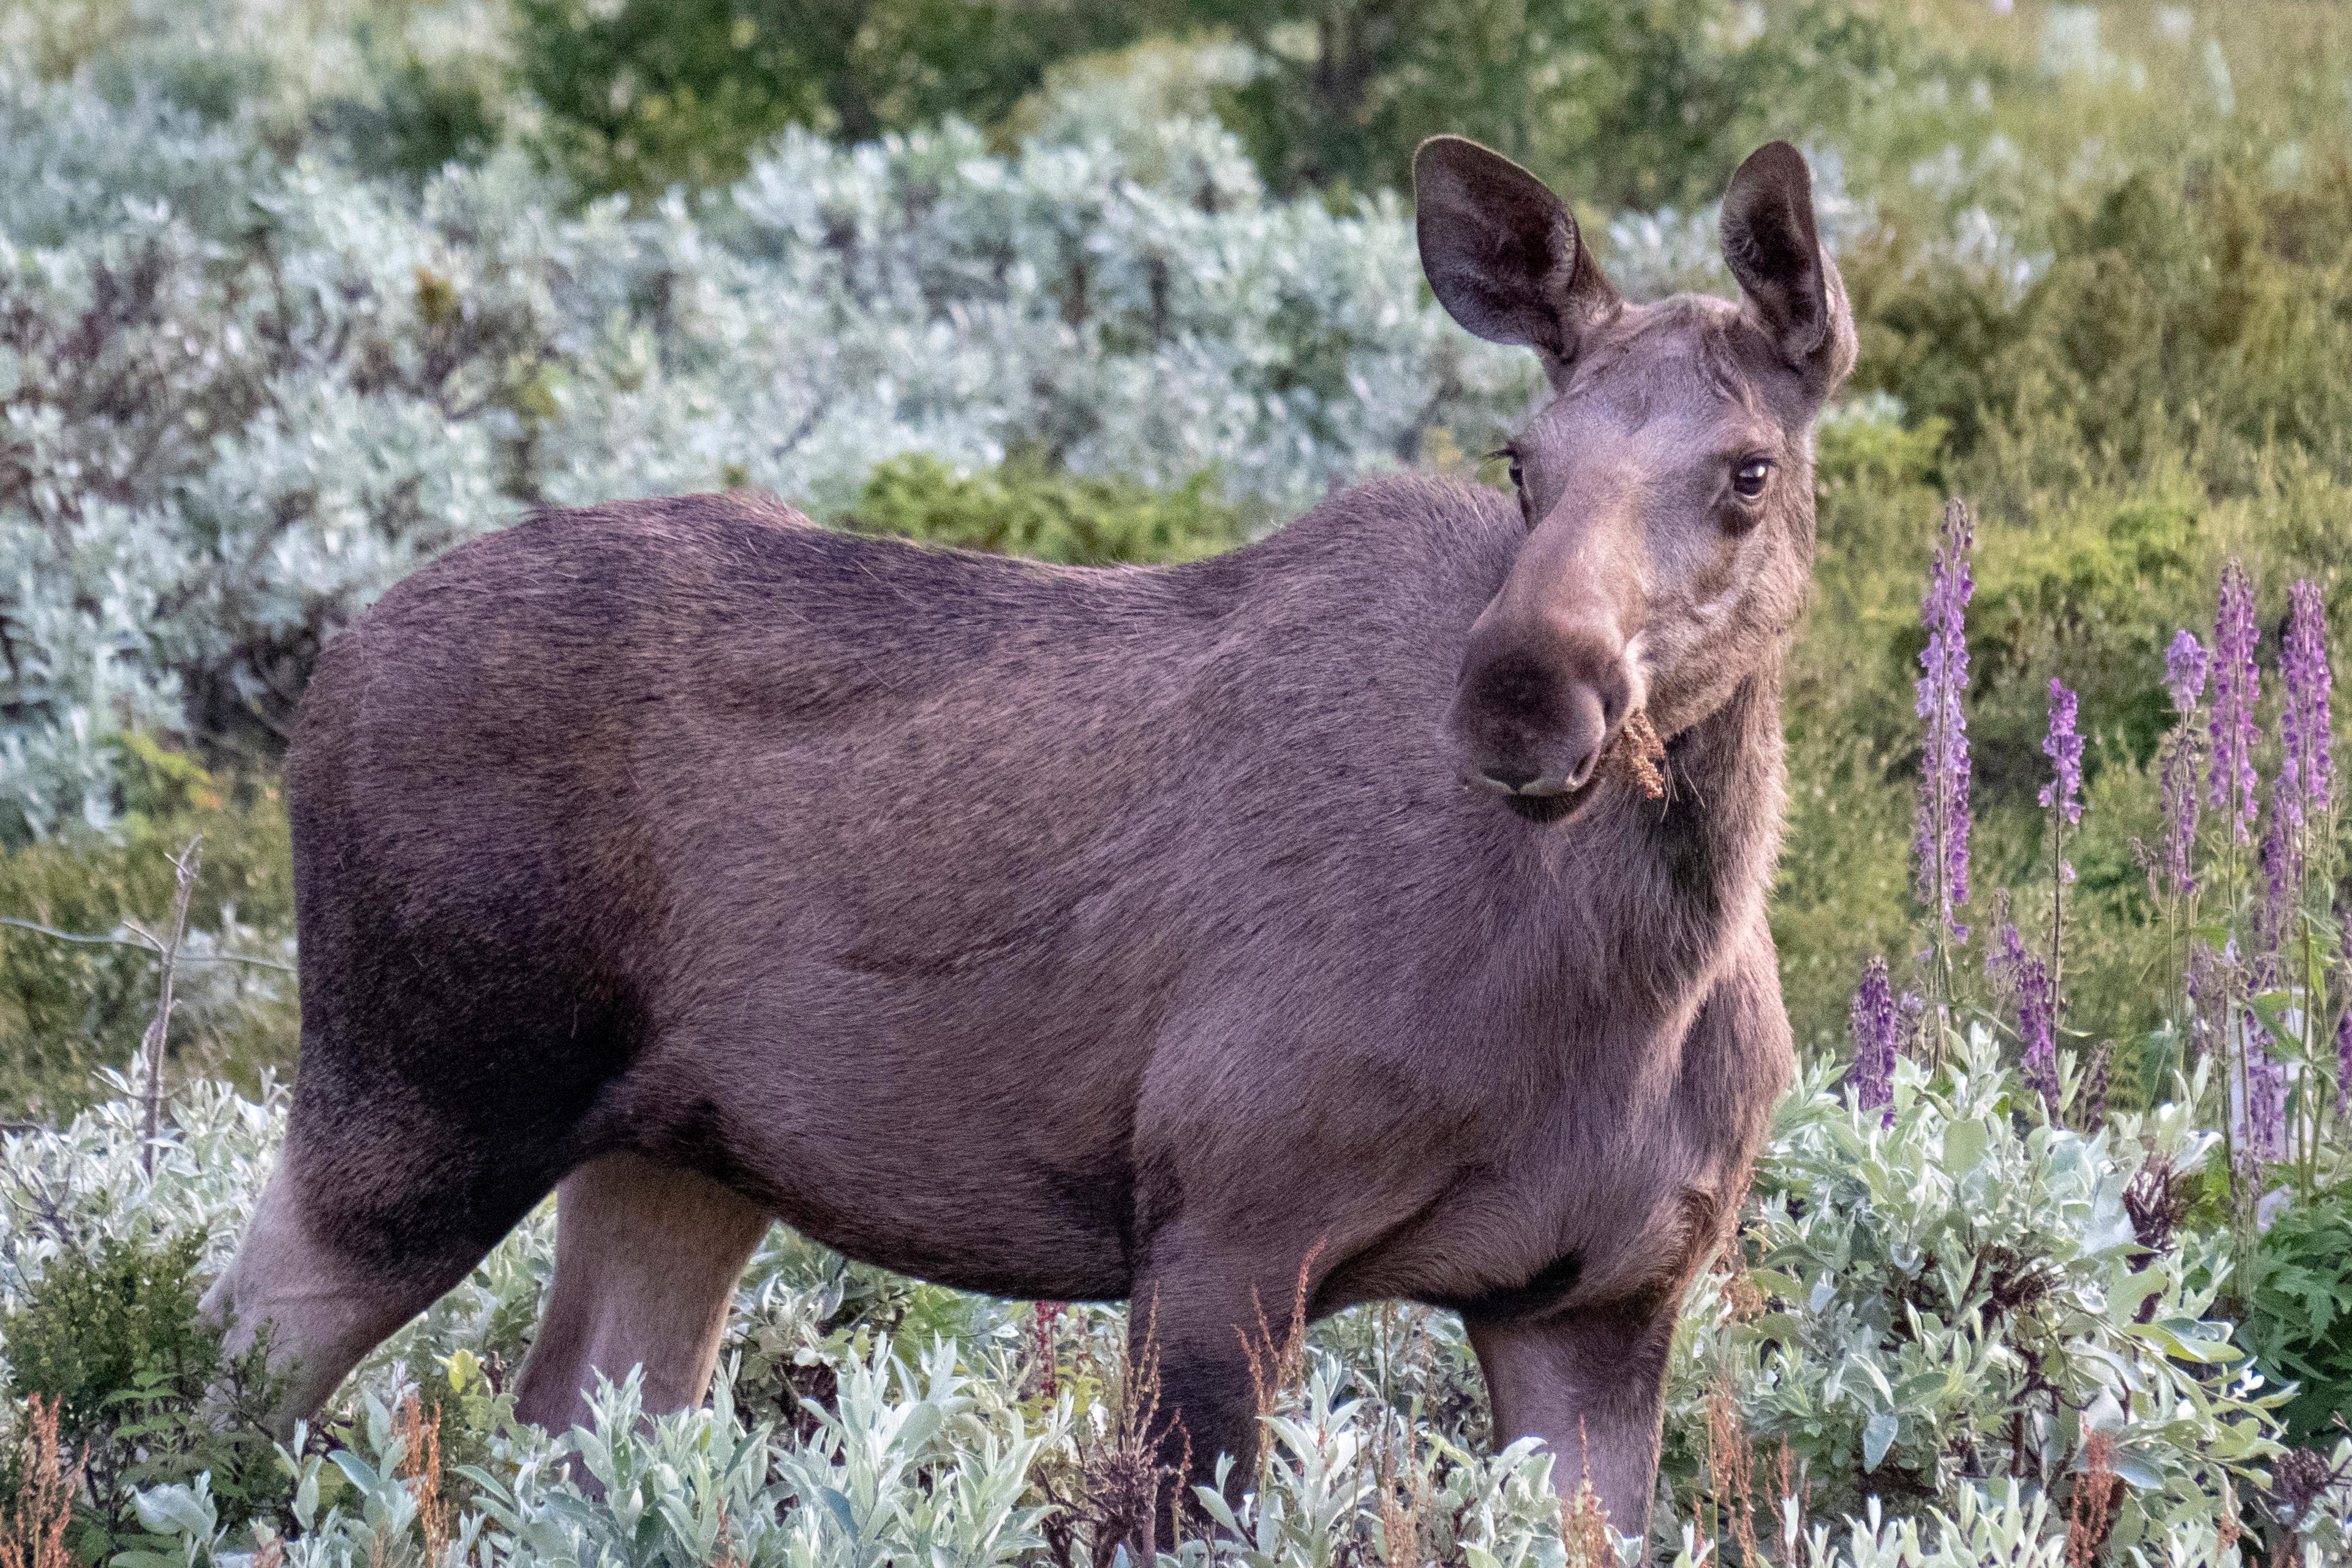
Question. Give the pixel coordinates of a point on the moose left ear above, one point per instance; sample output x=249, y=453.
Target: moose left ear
x=1773, y=249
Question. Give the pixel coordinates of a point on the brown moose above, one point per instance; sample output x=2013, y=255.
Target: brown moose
x=1094, y=933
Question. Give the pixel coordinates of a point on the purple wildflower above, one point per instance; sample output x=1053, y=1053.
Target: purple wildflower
x=1875, y=1040
x=1942, y=840
x=2282, y=869
x=2024, y=980
x=2344, y=1066
x=2184, y=672
x=2176, y=777
x=2237, y=687
x=2185, y=669
x=2307, y=779
x=2063, y=747
x=2304, y=781
x=2208, y=980
x=2262, y=1122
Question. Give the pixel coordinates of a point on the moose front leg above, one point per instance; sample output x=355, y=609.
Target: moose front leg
x=1592, y=1385
x=1209, y=1327
x=1590, y=1380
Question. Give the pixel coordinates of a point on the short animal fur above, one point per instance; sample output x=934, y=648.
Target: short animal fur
x=1094, y=933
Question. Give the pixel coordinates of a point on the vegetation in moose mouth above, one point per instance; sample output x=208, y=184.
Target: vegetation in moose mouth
x=1636, y=759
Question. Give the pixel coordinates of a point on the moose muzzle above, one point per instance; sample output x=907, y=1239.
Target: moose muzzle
x=1548, y=675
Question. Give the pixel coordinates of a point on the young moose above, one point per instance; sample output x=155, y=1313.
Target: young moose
x=1082, y=935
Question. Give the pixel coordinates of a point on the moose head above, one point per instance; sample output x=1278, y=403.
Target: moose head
x=1667, y=486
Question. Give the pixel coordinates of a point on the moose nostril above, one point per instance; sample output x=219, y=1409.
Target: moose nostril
x=1584, y=770
x=1512, y=776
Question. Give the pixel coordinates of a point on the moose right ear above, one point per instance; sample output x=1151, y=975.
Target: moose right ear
x=1502, y=252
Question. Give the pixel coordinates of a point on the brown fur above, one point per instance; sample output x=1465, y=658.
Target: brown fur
x=1074, y=934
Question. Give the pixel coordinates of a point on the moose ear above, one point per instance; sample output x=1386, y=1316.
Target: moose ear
x=1502, y=252
x=1794, y=290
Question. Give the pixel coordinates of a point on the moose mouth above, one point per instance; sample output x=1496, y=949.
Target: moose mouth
x=1634, y=754
x=1546, y=809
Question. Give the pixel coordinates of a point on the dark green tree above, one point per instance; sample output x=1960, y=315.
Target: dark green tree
x=1644, y=104
x=650, y=93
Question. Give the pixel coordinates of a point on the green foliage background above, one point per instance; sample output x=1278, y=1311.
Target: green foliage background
x=2098, y=257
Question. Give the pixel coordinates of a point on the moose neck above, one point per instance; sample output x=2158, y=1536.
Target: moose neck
x=1726, y=781
x=1679, y=879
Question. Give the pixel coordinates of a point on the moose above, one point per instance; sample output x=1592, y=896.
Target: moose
x=1306, y=917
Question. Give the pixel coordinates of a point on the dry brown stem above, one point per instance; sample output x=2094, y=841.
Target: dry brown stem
x=2091, y=1514
x=1277, y=1365
x=1583, y=1520
x=1731, y=1467
x=420, y=1440
x=167, y=958
x=1046, y=1341
x=33, y=1533
x=1119, y=1482
x=1403, y=1504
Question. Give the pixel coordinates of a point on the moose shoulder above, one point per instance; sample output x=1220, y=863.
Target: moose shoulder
x=1094, y=933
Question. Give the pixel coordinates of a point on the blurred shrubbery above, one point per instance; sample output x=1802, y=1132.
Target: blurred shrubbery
x=79, y=996
x=1025, y=508
x=646, y=93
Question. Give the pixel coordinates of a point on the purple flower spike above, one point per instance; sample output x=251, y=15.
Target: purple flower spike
x=2306, y=775
x=2176, y=777
x=2185, y=669
x=1876, y=1039
x=2063, y=747
x=2184, y=672
x=2024, y=980
x=2262, y=1127
x=2282, y=869
x=2208, y=979
x=1941, y=842
x=2237, y=687
x=2344, y=1066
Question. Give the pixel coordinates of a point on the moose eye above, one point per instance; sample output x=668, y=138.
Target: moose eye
x=1748, y=480
x=1518, y=481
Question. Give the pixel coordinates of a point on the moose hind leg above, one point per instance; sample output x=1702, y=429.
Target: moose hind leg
x=646, y=1257
x=323, y=1303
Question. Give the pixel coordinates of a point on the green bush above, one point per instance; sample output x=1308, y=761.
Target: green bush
x=146, y=1395
x=2299, y=1317
x=2190, y=319
x=1964, y=1262
x=1022, y=508
x=1954, y=1287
